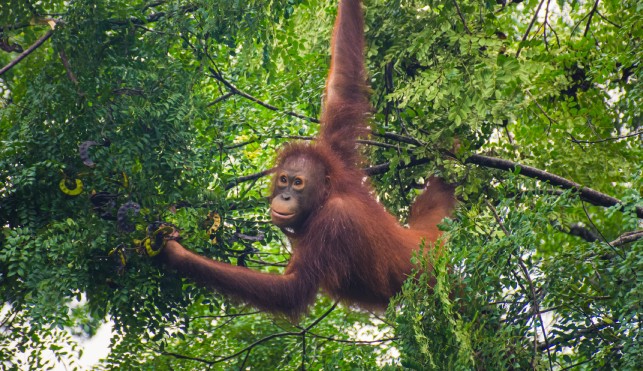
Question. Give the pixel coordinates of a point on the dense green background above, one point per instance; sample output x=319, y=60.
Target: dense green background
x=194, y=95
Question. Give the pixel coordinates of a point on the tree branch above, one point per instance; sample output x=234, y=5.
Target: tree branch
x=70, y=73
x=248, y=178
x=627, y=238
x=576, y=230
x=27, y=52
x=587, y=194
x=579, y=230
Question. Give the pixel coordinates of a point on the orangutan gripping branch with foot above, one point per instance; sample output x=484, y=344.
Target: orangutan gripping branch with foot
x=343, y=240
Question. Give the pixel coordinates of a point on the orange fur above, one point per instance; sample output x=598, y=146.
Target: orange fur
x=348, y=244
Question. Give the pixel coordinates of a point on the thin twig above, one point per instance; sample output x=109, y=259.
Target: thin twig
x=577, y=333
x=589, y=218
x=12, y=27
x=574, y=140
x=555, y=34
x=399, y=138
x=354, y=342
x=309, y=138
x=218, y=76
x=551, y=120
x=591, y=15
x=152, y=4
x=375, y=143
x=237, y=145
x=270, y=337
x=182, y=356
x=464, y=23
x=221, y=98
x=607, y=20
x=531, y=24
x=248, y=348
x=233, y=315
x=247, y=178
x=383, y=168
x=573, y=31
x=150, y=18
x=535, y=304
x=545, y=24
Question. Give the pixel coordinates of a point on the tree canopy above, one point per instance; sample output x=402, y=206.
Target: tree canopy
x=115, y=114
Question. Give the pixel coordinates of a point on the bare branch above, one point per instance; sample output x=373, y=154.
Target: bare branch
x=551, y=120
x=464, y=23
x=150, y=18
x=258, y=342
x=220, y=99
x=545, y=24
x=182, y=356
x=574, y=140
x=607, y=20
x=627, y=238
x=587, y=194
x=248, y=178
x=531, y=24
x=236, y=91
x=591, y=15
x=577, y=229
x=70, y=73
x=532, y=288
x=399, y=138
x=382, y=168
x=563, y=339
x=354, y=342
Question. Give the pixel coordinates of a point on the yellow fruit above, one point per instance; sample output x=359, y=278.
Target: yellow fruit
x=78, y=189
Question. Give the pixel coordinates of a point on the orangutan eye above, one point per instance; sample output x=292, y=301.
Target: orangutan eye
x=298, y=182
x=283, y=179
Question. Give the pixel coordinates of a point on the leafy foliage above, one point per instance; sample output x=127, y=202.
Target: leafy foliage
x=185, y=98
